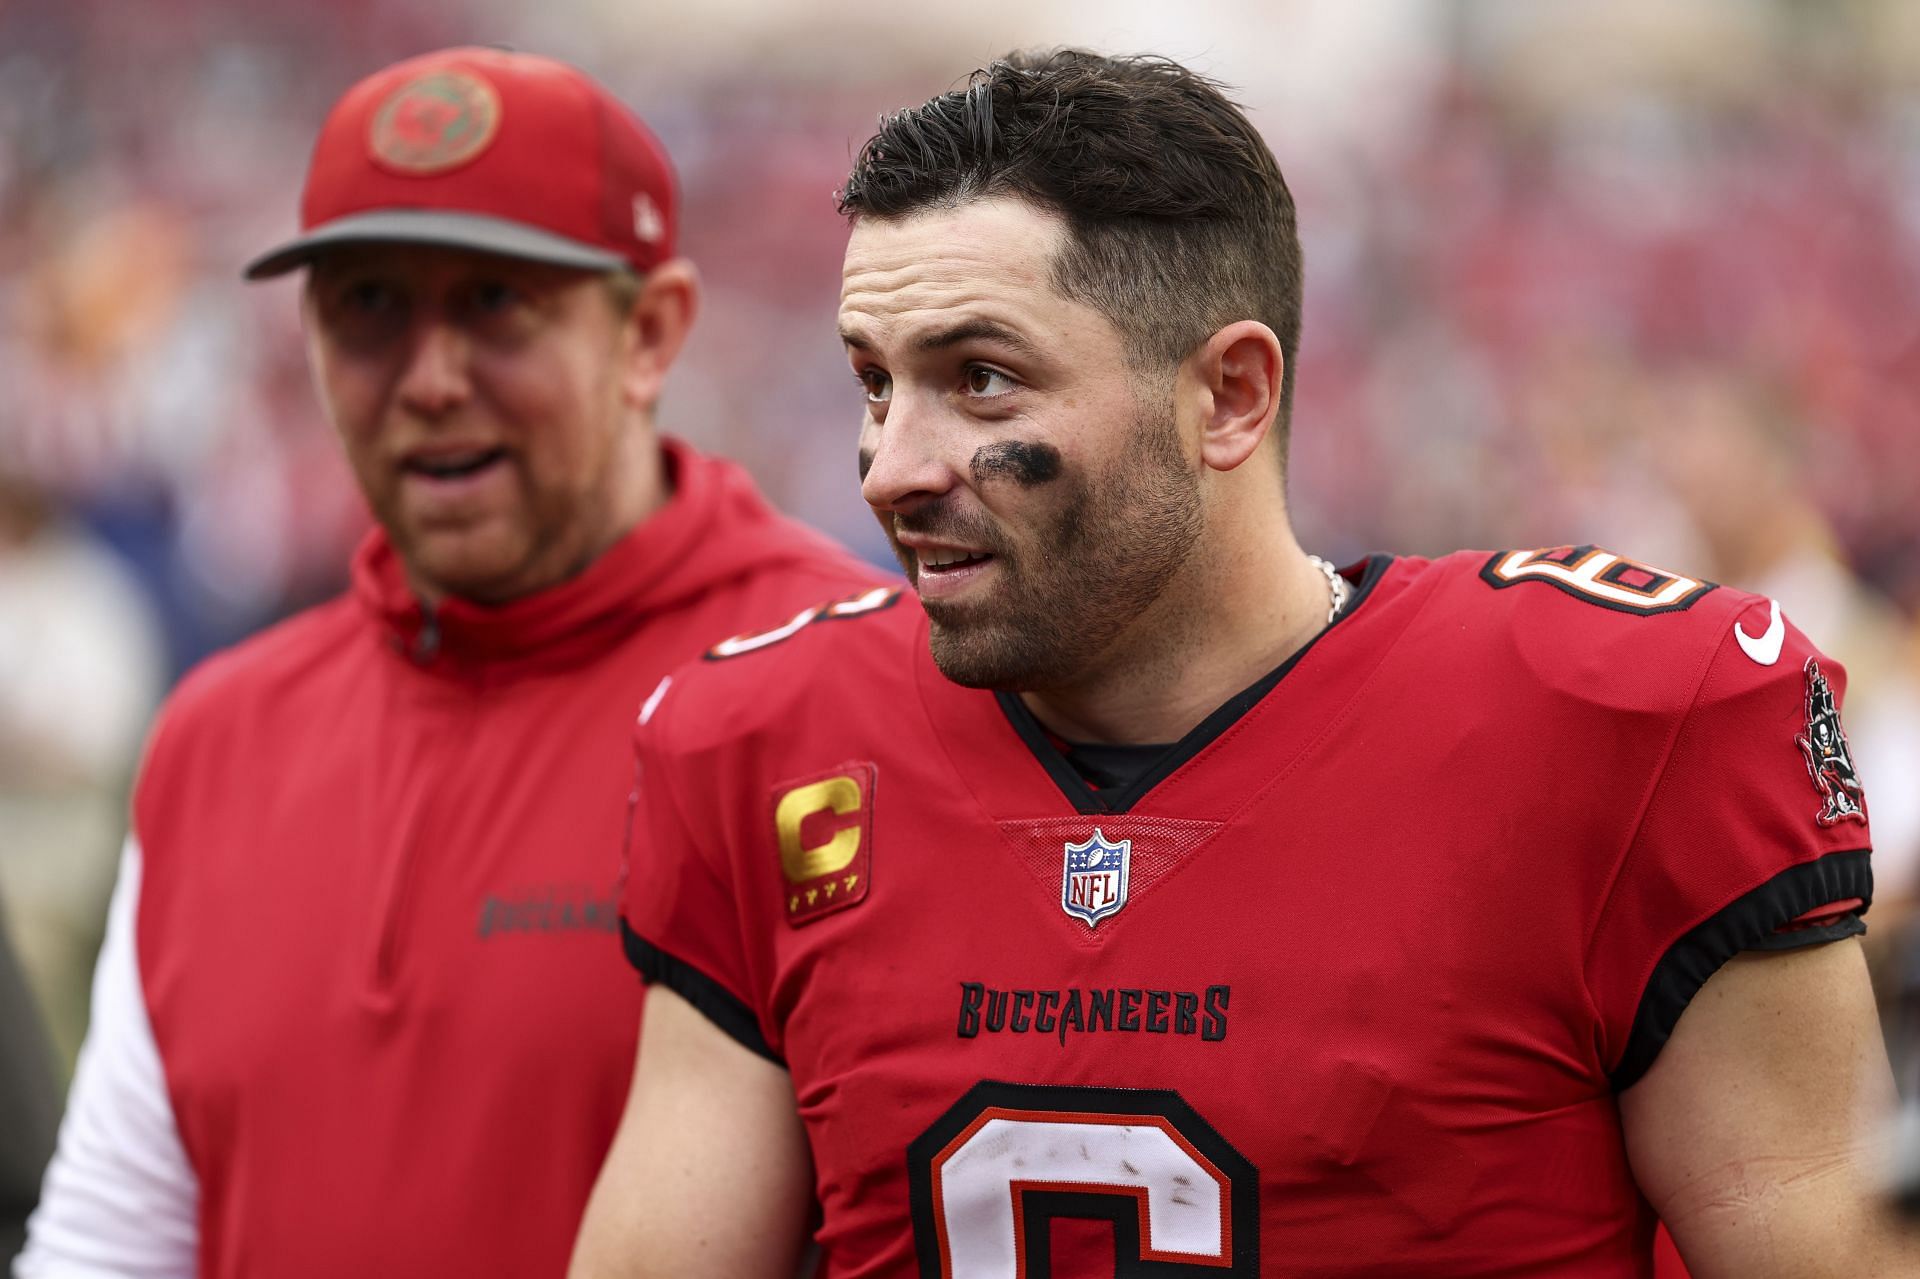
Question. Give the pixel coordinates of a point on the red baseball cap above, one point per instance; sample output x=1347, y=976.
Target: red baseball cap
x=506, y=153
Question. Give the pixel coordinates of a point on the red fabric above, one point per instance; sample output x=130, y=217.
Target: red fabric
x=1377, y=963
x=1820, y=915
x=559, y=153
x=377, y=925
x=1666, y=1258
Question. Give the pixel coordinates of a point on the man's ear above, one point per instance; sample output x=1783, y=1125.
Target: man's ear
x=1237, y=375
x=657, y=327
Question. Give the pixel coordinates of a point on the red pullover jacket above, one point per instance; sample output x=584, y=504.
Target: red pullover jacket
x=376, y=935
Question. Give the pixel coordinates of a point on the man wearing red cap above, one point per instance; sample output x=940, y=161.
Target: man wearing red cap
x=358, y=1011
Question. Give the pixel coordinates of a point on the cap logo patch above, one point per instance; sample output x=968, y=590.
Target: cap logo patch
x=1829, y=759
x=435, y=123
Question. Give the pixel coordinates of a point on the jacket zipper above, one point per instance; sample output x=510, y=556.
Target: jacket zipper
x=418, y=828
x=426, y=645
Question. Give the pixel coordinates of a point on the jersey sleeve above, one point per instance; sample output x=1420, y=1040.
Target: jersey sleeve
x=679, y=918
x=1754, y=836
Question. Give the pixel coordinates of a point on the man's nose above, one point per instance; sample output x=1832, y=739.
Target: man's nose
x=902, y=464
x=436, y=376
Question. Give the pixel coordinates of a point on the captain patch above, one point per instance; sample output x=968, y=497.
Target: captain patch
x=823, y=827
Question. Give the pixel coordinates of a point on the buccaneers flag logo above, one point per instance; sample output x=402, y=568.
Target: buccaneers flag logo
x=435, y=122
x=1828, y=758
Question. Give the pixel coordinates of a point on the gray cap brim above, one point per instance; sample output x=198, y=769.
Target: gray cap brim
x=437, y=227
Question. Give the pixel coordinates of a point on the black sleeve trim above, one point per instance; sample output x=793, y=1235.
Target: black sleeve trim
x=719, y=1004
x=1748, y=924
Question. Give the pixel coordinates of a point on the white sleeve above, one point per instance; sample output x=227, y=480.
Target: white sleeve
x=120, y=1200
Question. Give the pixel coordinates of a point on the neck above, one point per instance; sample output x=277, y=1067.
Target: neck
x=1225, y=621
x=644, y=485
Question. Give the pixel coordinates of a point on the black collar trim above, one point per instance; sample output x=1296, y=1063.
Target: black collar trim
x=1120, y=799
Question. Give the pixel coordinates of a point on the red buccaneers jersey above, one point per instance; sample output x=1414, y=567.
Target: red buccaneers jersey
x=1346, y=984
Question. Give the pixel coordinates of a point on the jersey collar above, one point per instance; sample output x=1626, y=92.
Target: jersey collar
x=973, y=725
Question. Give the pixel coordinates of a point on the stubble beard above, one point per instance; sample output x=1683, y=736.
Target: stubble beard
x=1117, y=540
x=502, y=556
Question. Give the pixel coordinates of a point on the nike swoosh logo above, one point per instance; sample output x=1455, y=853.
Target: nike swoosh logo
x=1763, y=648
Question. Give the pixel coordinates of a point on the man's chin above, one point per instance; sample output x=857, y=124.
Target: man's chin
x=467, y=567
x=981, y=656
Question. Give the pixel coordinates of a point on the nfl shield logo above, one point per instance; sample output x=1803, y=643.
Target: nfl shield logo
x=1093, y=883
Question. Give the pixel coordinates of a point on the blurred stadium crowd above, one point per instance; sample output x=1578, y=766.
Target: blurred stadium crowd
x=1635, y=274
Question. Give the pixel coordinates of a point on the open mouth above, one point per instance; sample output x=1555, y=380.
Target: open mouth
x=950, y=560
x=454, y=466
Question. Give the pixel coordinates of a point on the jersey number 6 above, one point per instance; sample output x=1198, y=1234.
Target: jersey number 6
x=992, y=1173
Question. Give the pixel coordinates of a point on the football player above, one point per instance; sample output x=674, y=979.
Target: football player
x=1142, y=895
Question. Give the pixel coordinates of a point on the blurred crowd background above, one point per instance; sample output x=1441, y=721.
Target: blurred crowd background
x=1644, y=273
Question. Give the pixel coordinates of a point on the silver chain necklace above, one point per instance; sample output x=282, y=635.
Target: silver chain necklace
x=1336, y=587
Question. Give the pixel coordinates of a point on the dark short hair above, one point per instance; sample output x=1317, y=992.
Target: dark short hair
x=1179, y=221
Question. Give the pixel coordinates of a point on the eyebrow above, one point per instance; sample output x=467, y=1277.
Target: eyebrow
x=965, y=331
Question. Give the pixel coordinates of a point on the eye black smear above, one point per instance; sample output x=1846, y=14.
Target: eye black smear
x=866, y=463
x=1027, y=464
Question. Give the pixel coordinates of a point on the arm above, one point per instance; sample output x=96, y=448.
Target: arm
x=709, y=1173
x=1758, y=1132
x=120, y=1200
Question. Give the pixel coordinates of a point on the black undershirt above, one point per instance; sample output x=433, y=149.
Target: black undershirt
x=1106, y=766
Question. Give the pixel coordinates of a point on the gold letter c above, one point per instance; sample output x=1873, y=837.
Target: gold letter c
x=840, y=795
